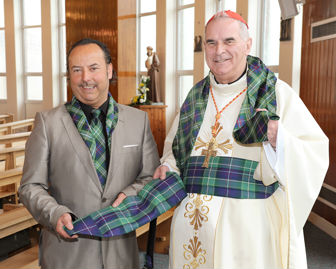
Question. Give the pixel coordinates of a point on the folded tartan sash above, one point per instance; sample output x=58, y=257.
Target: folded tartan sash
x=154, y=199
x=225, y=177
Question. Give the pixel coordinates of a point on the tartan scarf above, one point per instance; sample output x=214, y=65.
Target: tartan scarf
x=155, y=198
x=83, y=126
x=225, y=177
x=251, y=126
x=97, y=132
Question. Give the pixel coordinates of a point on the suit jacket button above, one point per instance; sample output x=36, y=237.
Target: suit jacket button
x=104, y=200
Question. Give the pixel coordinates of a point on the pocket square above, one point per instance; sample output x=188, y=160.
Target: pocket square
x=130, y=146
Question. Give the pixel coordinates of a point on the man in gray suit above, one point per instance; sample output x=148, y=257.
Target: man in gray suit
x=81, y=157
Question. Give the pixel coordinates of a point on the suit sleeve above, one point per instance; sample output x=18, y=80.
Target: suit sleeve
x=150, y=160
x=33, y=191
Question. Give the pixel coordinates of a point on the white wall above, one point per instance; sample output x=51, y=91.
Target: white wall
x=15, y=99
x=169, y=76
x=290, y=55
x=16, y=102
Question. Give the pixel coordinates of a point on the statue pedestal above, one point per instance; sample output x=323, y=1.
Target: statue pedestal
x=157, y=118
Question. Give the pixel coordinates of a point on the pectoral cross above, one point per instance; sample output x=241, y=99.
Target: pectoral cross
x=211, y=151
x=212, y=146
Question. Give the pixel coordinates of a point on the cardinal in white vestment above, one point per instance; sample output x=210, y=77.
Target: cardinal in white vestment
x=252, y=159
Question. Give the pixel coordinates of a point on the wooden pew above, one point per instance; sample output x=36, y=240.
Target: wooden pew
x=27, y=259
x=145, y=228
x=14, y=221
x=15, y=218
x=5, y=118
x=8, y=207
x=9, y=139
x=9, y=155
x=15, y=126
x=9, y=182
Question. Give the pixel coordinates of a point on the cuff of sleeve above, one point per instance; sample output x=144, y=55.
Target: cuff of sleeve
x=73, y=216
x=134, y=189
x=58, y=213
x=276, y=158
x=129, y=191
x=280, y=154
x=171, y=168
x=270, y=153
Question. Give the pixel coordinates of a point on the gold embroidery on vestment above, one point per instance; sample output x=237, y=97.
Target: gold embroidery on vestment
x=195, y=252
x=197, y=212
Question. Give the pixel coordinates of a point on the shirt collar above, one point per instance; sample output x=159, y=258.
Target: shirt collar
x=87, y=109
x=232, y=81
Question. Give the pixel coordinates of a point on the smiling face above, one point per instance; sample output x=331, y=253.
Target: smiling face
x=225, y=50
x=89, y=74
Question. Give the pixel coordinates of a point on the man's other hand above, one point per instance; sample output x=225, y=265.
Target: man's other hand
x=120, y=198
x=272, y=132
x=160, y=172
x=272, y=129
x=65, y=220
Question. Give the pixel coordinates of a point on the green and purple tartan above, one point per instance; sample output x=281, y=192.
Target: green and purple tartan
x=85, y=131
x=251, y=126
x=100, y=153
x=154, y=199
x=225, y=177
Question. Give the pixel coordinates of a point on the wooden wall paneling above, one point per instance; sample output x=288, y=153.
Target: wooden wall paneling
x=157, y=118
x=126, y=50
x=318, y=76
x=318, y=91
x=113, y=23
x=97, y=20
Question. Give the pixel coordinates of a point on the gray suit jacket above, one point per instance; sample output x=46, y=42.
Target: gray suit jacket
x=59, y=176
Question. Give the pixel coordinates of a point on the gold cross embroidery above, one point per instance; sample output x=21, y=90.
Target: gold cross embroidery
x=211, y=151
x=211, y=148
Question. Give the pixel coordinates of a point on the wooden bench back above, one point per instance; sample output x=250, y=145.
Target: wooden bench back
x=10, y=182
x=9, y=139
x=14, y=221
x=9, y=155
x=5, y=118
x=17, y=126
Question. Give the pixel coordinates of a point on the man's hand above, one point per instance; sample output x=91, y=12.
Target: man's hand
x=65, y=220
x=120, y=198
x=160, y=172
x=272, y=129
x=272, y=132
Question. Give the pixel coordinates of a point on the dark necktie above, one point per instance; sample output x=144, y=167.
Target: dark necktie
x=100, y=157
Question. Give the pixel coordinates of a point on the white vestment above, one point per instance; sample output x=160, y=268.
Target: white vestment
x=220, y=232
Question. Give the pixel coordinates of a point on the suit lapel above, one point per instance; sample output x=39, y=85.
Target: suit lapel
x=81, y=149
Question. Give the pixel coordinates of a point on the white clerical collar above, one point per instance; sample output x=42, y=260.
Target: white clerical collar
x=234, y=87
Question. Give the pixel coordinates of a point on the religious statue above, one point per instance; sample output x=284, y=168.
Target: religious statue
x=152, y=64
